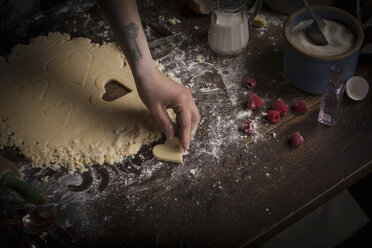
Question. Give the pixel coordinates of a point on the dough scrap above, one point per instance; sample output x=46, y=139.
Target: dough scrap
x=259, y=21
x=173, y=77
x=170, y=151
x=51, y=104
x=174, y=21
x=200, y=59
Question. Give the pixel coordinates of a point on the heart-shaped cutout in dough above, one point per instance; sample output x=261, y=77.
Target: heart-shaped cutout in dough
x=35, y=89
x=60, y=113
x=75, y=67
x=170, y=151
x=114, y=90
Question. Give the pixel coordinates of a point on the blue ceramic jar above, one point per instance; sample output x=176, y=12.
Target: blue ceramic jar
x=309, y=72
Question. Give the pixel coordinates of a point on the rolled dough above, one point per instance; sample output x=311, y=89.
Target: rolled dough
x=51, y=104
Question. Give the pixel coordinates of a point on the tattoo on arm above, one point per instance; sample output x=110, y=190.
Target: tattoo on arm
x=131, y=33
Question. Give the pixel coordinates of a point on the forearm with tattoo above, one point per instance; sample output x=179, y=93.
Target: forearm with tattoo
x=124, y=19
x=131, y=33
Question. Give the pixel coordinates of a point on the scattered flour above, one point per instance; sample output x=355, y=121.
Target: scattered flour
x=130, y=179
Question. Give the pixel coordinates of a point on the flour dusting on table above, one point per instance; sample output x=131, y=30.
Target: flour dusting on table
x=79, y=199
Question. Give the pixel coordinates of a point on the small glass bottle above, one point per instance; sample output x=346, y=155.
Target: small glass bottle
x=330, y=105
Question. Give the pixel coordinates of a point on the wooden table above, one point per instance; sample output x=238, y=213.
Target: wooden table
x=245, y=189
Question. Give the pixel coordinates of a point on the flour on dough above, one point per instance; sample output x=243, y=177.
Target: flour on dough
x=51, y=104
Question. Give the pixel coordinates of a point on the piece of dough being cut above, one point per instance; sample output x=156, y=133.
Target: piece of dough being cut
x=51, y=105
x=170, y=151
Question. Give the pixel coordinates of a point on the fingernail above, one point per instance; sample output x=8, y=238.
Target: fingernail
x=192, y=134
x=169, y=135
x=169, y=132
x=193, y=131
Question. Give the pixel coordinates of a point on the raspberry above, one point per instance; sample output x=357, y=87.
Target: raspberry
x=250, y=83
x=248, y=127
x=297, y=139
x=280, y=106
x=273, y=116
x=300, y=107
x=255, y=102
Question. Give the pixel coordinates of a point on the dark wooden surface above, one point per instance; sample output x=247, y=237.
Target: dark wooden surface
x=243, y=197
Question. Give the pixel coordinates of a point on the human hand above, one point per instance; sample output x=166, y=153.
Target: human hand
x=160, y=93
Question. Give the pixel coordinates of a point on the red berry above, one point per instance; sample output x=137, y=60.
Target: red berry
x=255, y=102
x=300, y=107
x=248, y=127
x=280, y=106
x=250, y=83
x=297, y=139
x=273, y=116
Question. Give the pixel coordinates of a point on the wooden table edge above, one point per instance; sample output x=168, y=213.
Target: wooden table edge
x=311, y=206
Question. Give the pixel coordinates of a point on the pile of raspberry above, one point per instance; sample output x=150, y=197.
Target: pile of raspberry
x=278, y=108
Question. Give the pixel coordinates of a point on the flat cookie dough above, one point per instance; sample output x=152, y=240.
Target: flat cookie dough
x=51, y=104
x=170, y=151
